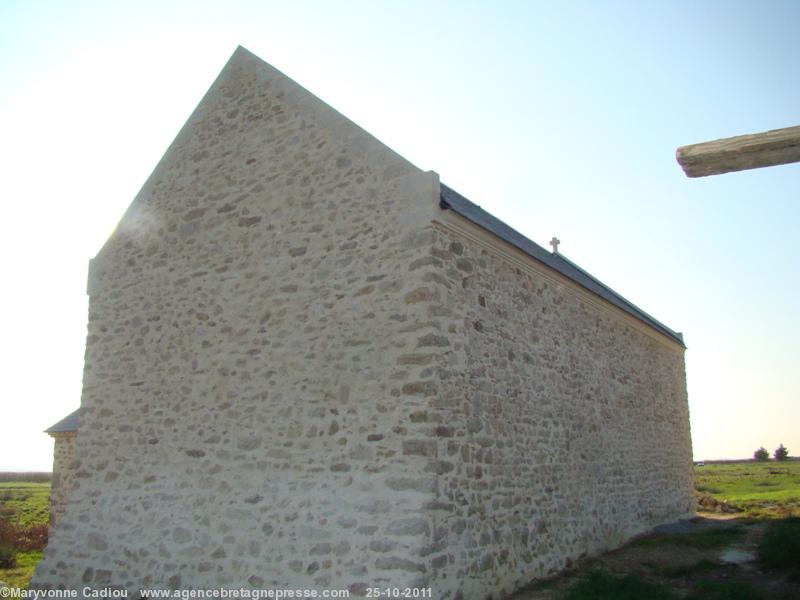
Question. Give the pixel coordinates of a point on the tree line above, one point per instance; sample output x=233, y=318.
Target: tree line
x=781, y=453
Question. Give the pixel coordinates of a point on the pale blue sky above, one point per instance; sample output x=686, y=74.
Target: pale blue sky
x=561, y=118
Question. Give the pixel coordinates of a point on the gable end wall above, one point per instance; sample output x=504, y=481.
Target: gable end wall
x=256, y=343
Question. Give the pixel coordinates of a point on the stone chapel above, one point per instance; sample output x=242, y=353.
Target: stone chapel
x=310, y=364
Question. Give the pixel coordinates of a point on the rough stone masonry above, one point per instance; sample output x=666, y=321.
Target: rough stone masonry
x=303, y=371
x=63, y=482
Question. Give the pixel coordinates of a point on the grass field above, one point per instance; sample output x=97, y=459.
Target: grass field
x=759, y=489
x=20, y=575
x=24, y=504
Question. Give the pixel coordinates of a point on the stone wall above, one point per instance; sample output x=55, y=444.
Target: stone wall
x=63, y=481
x=561, y=428
x=299, y=373
x=246, y=384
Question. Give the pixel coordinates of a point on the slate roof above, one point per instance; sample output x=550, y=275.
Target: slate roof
x=452, y=200
x=65, y=425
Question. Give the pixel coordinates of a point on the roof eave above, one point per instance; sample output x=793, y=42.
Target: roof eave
x=452, y=200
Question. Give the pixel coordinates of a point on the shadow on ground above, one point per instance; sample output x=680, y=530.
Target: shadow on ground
x=712, y=556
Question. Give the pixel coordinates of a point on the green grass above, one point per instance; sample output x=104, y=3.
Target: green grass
x=25, y=503
x=701, y=567
x=600, y=585
x=710, y=538
x=20, y=575
x=752, y=485
x=780, y=548
x=723, y=590
x=30, y=477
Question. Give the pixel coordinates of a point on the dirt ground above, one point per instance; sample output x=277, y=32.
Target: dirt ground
x=664, y=558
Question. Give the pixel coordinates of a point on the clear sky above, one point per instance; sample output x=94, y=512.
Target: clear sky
x=561, y=118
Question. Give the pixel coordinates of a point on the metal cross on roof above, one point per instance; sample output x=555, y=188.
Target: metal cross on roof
x=554, y=243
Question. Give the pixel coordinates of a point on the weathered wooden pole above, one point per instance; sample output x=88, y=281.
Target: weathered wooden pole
x=776, y=147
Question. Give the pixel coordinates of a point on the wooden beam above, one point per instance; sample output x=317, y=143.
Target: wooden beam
x=776, y=147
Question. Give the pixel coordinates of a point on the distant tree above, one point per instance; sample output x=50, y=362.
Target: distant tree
x=761, y=454
x=781, y=453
